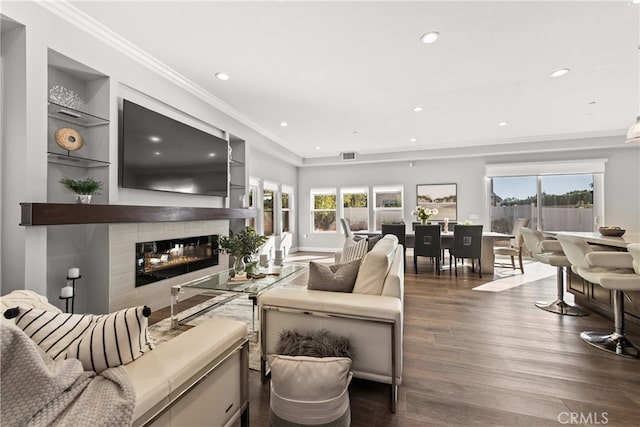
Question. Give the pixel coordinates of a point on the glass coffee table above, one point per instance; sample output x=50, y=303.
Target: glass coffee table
x=217, y=289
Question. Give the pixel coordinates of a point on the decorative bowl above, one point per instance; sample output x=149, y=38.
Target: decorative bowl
x=608, y=231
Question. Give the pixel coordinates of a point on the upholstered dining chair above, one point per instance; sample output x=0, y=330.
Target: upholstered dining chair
x=346, y=227
x=467, y=243
x=549, y=251
x=613, y=270
x=515, y=245
x=427, y=243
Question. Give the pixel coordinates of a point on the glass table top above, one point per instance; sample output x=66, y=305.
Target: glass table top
x=223, y=281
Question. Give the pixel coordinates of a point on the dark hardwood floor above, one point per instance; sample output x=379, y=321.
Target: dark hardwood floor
x=475, y=358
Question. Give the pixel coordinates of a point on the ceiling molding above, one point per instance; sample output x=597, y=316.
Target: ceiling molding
x=523, y=148
x=74, y=16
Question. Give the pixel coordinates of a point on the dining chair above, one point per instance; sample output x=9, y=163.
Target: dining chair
x=400, y=231
x=467, y=243
x=515, y=245
x=427, y=243
x=346, y=227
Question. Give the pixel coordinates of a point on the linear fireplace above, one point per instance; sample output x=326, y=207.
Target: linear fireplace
x=163, y=259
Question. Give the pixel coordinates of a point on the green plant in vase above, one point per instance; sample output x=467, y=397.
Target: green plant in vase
x=242, y=245
x=84, y=188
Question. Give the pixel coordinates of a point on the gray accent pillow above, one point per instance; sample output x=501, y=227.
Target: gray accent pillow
x=335, y=278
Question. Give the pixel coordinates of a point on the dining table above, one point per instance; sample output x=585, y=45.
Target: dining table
x=488, y=238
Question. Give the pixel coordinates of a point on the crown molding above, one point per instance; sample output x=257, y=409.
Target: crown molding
x=74, y=16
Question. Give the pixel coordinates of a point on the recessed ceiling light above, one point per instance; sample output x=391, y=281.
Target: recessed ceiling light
x=503, y=123
x=317, y=147
x=155, y=139
x=560, y=72
x=222, y=76
x=430, y=37
x=417, y=109
x=212, y=154
x=284, y=124
x=157, y=153
x=413, y=140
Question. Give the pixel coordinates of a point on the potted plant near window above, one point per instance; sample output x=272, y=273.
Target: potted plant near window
x=242, y=245
x=84, y=188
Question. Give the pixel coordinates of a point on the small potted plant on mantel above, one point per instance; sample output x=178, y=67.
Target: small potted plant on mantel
x=84, y=188
x=242, y=245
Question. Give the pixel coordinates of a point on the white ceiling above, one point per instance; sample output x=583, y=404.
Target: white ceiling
x=346, y=76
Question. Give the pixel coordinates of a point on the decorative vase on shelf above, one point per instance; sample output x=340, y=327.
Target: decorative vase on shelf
x=239, y=265
x=83, y=199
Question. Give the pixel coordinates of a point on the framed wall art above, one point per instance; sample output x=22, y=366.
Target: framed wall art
x=443, y=197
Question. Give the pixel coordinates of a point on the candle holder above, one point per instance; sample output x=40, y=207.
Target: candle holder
x=73, y=295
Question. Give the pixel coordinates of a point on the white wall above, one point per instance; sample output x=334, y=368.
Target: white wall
x=622, y=184
x=25, y=169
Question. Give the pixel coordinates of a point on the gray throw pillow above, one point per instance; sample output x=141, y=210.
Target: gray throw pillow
x=335, y=278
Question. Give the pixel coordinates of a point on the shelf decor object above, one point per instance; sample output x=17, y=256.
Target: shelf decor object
x=66, y=97
x=84, y=188
x=69, y=139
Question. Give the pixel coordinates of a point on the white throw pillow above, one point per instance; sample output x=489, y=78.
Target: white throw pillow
x=353, y=250
x=99, y=342
x=53, y=331
x=114, y=339
x=309, y=390
x=375, y=266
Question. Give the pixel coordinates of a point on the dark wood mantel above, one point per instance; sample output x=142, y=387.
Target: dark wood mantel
x=64, y=214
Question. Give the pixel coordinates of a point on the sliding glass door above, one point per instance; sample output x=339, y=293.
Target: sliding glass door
x=550, y=202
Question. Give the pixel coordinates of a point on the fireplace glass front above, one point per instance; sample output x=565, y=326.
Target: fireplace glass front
x=163, y=259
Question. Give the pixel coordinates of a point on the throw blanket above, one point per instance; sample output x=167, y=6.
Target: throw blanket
x=38, y=391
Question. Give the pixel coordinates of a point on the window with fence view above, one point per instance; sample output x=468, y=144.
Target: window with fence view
x=550, y=202
x=356, y=207
x=323, y=210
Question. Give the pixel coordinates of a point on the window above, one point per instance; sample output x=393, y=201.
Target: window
x=566, y=202
x=513, y=197
x=253, y=197
x=267, y=204
x=287, y=201
x=388, y=205
x=551, y=202
x=355, y=204
x=323, y=210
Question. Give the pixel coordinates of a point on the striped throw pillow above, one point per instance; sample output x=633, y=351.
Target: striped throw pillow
x=114, y=339
x=53, y=331
x=355, y=251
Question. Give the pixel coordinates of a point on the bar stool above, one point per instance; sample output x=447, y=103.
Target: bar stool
x=619, y=283
x=550, y=252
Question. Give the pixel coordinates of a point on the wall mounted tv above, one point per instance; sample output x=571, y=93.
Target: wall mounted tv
x=162, y=154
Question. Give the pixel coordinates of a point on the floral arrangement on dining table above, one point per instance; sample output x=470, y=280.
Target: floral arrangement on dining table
x=423, y=214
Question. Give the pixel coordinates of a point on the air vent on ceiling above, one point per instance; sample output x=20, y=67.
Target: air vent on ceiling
x=348, y=156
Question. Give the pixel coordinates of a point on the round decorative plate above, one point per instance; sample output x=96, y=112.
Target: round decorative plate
x=69, y=139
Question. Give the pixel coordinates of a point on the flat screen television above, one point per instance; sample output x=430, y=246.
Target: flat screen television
x=162, y=154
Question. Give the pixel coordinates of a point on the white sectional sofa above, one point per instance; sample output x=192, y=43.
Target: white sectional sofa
x=199, y=378
x=371, y=316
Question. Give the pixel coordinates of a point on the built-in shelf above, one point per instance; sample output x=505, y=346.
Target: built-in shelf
x=65, y=214
x=236, y=186
x=235, y=163
x=76, y=117
x=71, y=160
